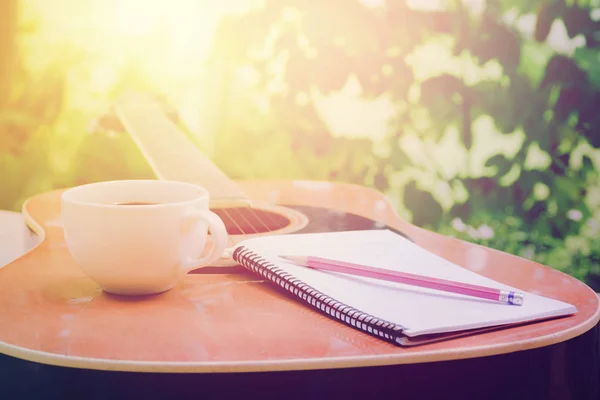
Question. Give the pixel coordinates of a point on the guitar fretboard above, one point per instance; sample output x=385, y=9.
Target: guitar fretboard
x=171, y=155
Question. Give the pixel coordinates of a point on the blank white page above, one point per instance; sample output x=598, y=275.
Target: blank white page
x=419, y=310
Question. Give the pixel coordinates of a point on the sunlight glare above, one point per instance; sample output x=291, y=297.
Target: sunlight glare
x=167, y=43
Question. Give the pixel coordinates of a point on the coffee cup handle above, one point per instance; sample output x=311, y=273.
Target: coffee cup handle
x=219, y=239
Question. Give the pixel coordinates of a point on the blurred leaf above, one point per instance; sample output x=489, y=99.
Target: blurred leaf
x=496, y=41
x=589, y=120
x=442, y=95
x=569, y=100
x=547, y=13
x=525, y=187
x=522, y=7
x=594, y=138
x=502, y=164
x=426, y=211
x=509, y=106
x=400, y=80
x=579, y=21
x=535, y=212
x=433, y=21
x=480, y=187
x=398, y=158
x=587, y=163
x=380, y=181
x=535, y=58
x=566, y=190
x=589, y=60
x=329, y=70
x=564, y=71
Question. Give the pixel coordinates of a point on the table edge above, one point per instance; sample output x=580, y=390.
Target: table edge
x=60, y=360
x=295, y=364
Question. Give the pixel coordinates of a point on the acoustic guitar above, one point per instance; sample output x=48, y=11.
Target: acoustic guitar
x=227, y=319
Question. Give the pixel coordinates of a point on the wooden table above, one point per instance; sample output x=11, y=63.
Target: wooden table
x=547, y=360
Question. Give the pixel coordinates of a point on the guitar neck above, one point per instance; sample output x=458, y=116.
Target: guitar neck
x=171, y=155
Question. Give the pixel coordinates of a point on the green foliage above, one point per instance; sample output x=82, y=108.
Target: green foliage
x=445, y=73
x=535, y=200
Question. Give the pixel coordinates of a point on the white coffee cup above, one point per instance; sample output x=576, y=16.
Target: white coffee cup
x=135, y=249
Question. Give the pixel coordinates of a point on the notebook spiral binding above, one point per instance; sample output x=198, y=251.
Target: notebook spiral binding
x=367, y=323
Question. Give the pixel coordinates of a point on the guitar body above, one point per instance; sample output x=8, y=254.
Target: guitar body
x=51, y=312
x=224, y=320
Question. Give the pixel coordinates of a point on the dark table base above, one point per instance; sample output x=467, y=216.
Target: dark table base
x=569, y=370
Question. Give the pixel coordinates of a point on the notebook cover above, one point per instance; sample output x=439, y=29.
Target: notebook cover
x=375, y=307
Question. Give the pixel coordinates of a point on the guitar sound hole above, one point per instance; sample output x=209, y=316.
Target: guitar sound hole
x=246, y=220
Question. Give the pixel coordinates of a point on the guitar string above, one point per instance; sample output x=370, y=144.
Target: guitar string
x=256, y=216
x=235, y=223
x=236, y=211
x=268, y=214
x=250, y=224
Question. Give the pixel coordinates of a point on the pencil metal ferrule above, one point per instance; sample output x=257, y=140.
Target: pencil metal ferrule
x=510, y=297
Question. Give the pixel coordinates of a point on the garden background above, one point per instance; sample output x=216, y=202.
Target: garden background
x=478, y=119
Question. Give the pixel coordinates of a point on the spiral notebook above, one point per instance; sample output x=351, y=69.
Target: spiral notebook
x=395, y=312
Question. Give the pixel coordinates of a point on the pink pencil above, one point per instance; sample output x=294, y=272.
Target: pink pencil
x=502, y=296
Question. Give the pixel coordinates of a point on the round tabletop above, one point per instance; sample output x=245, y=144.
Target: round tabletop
x=53, y=314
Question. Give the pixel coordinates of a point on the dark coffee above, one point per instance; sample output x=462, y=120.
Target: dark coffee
x=136, y=203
